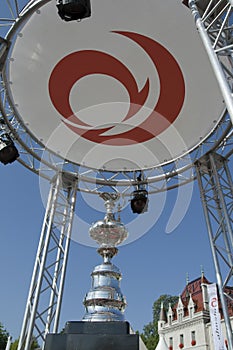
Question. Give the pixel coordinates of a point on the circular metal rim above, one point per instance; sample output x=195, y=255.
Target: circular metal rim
x=46, y=164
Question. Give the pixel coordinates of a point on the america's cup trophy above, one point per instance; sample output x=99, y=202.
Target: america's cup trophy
x=103, y=325
x=105, y=302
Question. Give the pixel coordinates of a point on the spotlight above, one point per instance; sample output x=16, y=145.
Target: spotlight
x=139, y=202
x=8, y=151
x=73, y=10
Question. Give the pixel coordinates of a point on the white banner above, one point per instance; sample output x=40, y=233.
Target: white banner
x=215, y=317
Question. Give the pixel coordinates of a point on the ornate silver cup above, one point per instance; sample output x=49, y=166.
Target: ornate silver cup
x=105, y=301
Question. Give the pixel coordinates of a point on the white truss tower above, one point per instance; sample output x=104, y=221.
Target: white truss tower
x=216, y=189
x=50, y=265
x=213, y=20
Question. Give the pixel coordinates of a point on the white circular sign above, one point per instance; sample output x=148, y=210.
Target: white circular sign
x=129, y=88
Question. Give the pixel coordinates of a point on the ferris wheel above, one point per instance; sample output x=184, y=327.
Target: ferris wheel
x=124, y=101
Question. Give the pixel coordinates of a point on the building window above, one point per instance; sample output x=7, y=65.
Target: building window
x=181, y=345
x=193, y=338
x=170, y=343
x=170, y=320
x=180, y=315
x=190, y=312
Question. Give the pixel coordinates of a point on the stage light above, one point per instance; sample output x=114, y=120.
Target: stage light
x=73, y=10
x=8, y=151
x=139, y=202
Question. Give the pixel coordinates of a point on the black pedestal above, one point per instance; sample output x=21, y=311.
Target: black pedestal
x=93, y=336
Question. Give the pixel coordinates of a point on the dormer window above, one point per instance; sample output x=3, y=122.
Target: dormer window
x=191, y=307
x=170, y=320
x=180, y=315
x=180, y=310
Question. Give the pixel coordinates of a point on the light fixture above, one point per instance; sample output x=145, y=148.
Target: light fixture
x=73, y=10
x=139, y=202
x=8, y=151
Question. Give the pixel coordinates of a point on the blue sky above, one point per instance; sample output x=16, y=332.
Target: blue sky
x=154, y=264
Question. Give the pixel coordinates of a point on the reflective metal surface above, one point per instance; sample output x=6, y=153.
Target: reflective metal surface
x=105, y=301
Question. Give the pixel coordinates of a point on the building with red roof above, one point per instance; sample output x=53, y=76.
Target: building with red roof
x=187, y=325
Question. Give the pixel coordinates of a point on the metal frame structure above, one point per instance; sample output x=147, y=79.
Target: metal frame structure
x=216, y=189
x=45, y=294
x=36, y=158
x=213, y=20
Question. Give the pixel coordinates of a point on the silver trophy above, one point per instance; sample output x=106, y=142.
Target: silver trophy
x=105, y=301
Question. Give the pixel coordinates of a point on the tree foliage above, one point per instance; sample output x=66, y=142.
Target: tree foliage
x=166, y=300
x=3, y=337
x=34, y=345
x=150, y=334
x=14, y=345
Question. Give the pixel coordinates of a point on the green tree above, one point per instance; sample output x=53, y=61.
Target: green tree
x=3, y=337
x=14, y=345
x=166, y=299
x=150, y=334
x=34, y=345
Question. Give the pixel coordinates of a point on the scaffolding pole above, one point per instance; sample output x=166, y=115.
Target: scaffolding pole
x=213, y=19
x=43, y=305
x=216, y=190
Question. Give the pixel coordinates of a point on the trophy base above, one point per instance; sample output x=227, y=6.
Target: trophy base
x=83, y=335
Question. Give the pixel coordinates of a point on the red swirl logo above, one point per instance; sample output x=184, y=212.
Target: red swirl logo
x=87, y=62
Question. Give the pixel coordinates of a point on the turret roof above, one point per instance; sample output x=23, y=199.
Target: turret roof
x=162, y=315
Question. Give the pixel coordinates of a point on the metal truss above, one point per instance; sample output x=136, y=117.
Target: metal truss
x=45, y=294
x=35, y=157
x=214, y=20
x=216, y=189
